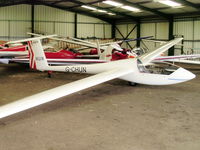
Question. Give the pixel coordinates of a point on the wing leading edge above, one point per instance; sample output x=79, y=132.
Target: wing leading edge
x=58, y=92
x=146, y=59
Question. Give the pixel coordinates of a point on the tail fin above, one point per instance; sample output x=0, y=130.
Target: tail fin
x=98, y=48
x=37, y=58
x=107, y=53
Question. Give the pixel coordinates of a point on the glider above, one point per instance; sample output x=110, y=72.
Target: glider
x=6, y=51
x=131, y=70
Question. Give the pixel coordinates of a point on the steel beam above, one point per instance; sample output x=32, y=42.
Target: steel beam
x=170, y=36
x=32, y=19
x=75, y=25
x=138, y=34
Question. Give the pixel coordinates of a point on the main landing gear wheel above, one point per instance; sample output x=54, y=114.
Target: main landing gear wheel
x=132, y=83
x=49, y=74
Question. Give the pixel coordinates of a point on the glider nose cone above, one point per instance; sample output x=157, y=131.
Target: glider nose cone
x=188, y=75
x=182, y=75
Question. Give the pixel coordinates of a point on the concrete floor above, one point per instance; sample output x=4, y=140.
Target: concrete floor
x=110, y=116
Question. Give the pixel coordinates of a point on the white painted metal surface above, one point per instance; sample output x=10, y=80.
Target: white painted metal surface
x=59, y=92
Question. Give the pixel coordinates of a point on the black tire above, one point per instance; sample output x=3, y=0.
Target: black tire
x=132, y=83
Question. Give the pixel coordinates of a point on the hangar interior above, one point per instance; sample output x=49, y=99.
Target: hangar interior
x=104, y=21
x=116, y=117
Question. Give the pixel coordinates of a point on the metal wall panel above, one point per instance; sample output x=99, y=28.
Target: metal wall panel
x=44, y=27
x=148, y=29
x=197, y=30
x=17, y=12
x=132, y=35
x=92, y=27
x=45, y=13
x=108, y=30
x=85, y=30
x=162, y=30
x=196, y=48
x=184, y=28
x=64, y=29
x=15, y=22
x=99, y=31
x=123, y=28
x=50, y=20
x=158, y=30
x=18, y=30
x=4, y=32
x=196, y=45
x=189, y=29
x=123, y=31
x=87, y=19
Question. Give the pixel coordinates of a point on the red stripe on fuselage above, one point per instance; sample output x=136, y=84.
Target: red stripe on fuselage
x=32, y=61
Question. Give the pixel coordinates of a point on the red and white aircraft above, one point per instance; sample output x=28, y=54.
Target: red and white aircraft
x=102, y=53
x=12, y=51
x=182, y=59
x=68, y=57
x=131, y=70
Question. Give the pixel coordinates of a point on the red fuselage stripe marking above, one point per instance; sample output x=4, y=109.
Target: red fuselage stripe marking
x=32, y=62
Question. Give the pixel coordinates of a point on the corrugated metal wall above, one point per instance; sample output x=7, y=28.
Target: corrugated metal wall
x=15, y=22
x=158, y=30
x=92, y=27
x=190, y=30
x=123, y=31
x=51, y=20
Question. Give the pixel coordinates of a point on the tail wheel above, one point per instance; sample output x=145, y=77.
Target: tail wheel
x=132, y=83
x=49, y=74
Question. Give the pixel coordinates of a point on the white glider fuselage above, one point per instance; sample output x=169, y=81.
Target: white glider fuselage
x=138, y=73
x=137, y=76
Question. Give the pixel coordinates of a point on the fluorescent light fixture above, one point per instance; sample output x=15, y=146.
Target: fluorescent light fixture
x=102, y=11
x=112, y=14
x=88, y=7
x=170, y=3
x=131, y=8
x=116, y=4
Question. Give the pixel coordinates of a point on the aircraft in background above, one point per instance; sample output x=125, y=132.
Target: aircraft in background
x=132, y=70
x=98, y=54
x=192, y=59
x=13, y=50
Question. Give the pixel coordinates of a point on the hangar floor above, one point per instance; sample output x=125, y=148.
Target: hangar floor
x=111, y=116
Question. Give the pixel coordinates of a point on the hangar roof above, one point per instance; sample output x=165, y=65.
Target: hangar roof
x=140, y=9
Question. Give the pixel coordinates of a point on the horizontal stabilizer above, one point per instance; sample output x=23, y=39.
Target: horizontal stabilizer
x=31, y=39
